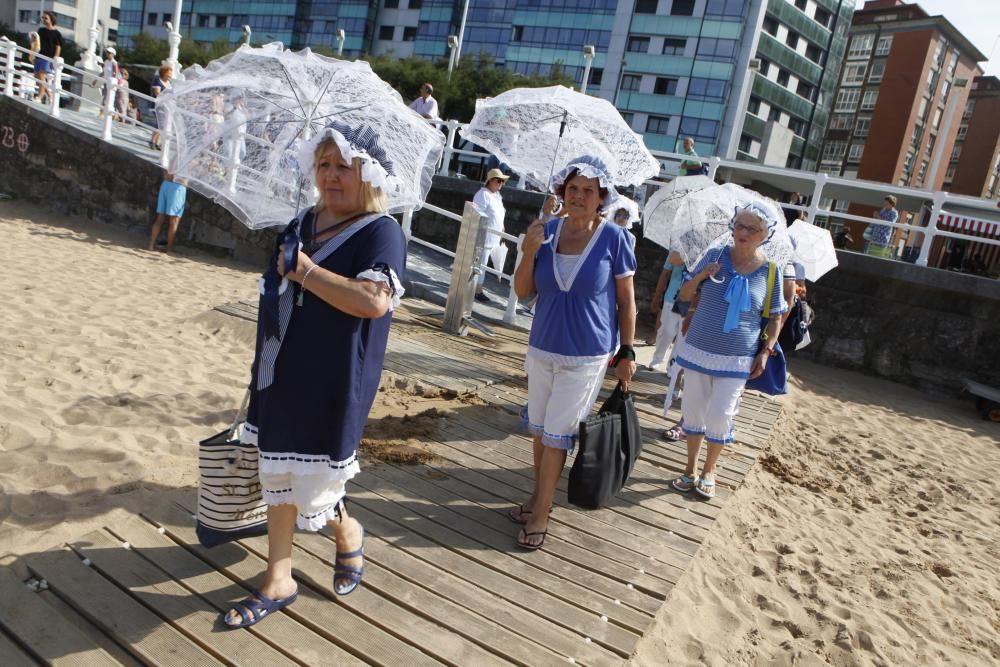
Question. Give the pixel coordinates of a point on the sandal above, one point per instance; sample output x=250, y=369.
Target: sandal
x=526, y=545
x=519, y=515
x=705, y=488
x=253, y=609
x=673, y=434
x=684, y=483
x=353, y=575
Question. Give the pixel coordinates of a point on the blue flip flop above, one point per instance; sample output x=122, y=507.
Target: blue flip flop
x=353, y=574
x=253, y=609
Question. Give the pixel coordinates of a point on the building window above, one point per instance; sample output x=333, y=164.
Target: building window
x=956, y=152
x=746, y=143
x=204, y=20
x=854, y=74
x=814, y=53
x=630, y=83
x=416, y=4
x=391, y=4
x=970, y=106
x=771, y=26
x=801, y=4
x=151, y=18
x=861, y=46
x=682, y=8
x=822, y=17
x=638, y=44
x=862, y=127
x=937, y=118
x=805, y=90
x=596, y=76
x=386, y=32
x=841, y=121
x=665, y=86
x=783, y=77
x=646, y=6
x=847, y=101
x=855, y=153
x=674, y=46
x=797, y=125
x=792, y=40
x=931, y=140
x=168, y=17
x=775, y=114
x=950, y=174
x=884, y=46
x=878, y=70
x=115, y=12
x=658, y=124
x=221, y=21
x=869, y=100
x=834, y=150
x=409, y=33
x=765, y=66
x=717, y=49
x=753, y=106
x=962, y=131
x=922, y=173
x=733, y=8
x=945, y=89
x=709, y=89
x=705, y=131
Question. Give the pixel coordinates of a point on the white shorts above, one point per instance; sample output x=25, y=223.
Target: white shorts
x=709, y=406
x=315, y=496
x=560, y=397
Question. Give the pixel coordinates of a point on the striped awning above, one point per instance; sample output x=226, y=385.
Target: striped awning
x=958, y=223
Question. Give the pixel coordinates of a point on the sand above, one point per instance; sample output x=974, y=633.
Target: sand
x=867, y=536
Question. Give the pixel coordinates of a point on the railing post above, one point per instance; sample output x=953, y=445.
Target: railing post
x=464, y=272
x=408, y=224
x=511, y=311
x=448, y=149
x=56, y=88
x=931, y=228
x=713, y=166
x=10, y=50
x=110, y=91
x=165, y=134
x=818, y=185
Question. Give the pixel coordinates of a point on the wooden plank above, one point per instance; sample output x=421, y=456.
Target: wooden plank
x=187, y=612
x=431, y=637
x=36, y=624
x=280, y=630
x=333, y=621
x=534, y=629
x=73, y=617
x=115, y=612
x=502, y=575
x=427, y=603
x=11, y=655
x=605, y=575
x=564, y=579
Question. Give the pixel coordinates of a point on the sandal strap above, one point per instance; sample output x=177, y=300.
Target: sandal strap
x=344, y=555
x=348, y=570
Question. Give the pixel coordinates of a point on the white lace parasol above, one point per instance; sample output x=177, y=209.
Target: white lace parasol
x=539, y=130
x=241, y=122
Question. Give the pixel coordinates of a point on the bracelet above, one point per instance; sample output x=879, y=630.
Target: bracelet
x=624, y=352
x=302, y=284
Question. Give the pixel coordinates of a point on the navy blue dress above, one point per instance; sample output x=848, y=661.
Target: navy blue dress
x=310, y=419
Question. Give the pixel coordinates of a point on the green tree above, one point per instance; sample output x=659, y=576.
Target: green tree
x=147, y=50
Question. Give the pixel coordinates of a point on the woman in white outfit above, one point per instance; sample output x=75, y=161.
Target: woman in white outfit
x=490, y=204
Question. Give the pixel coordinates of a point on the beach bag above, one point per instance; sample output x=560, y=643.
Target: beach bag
x=774, y=380
x=230, y=503
x=609, y=444
x=796, y=327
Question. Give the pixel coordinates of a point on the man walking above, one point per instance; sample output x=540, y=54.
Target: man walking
x=426, y=105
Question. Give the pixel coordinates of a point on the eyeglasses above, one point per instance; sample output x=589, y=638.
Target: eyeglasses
x=747, y=229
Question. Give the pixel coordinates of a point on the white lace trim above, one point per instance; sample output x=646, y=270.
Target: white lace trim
x=372, y=172
x=690, y=356
x=311, y=522
x=392, y=279
x=588, y=170
x=277, y=463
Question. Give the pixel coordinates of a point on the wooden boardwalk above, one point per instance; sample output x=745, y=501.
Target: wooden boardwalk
x=443, y=583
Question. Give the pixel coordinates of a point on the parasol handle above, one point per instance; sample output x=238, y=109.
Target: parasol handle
x=717, y=258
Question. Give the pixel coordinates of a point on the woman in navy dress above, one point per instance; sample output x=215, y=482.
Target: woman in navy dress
x=321, y=340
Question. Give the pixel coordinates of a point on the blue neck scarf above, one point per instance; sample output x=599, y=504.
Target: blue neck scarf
x=268, y=312
x=738, y=297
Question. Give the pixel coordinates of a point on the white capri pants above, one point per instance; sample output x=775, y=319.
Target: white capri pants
x=316, y=497
x=667, y=335
x=709, y=406
x=560, y=397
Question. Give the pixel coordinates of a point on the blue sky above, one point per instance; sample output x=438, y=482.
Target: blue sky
x=978, y=20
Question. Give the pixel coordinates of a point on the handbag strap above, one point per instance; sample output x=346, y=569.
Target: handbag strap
x=771, y=270
x=241, y=415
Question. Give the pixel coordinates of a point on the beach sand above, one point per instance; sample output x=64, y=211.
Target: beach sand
x=868, y=535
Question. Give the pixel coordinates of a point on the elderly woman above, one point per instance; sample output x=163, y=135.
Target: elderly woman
x=159, y=85
x=321, y=342
x=722, y=348
x=581, y=267
x=879, y=237
x=490, y=204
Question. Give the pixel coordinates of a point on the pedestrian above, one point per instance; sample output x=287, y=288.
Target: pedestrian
x=724, y=347
x=490, y=205
x=123, y=95
x=879, y=237
x=426, y=105
x=581, y=268
x=160, y=84
x=111, y=75
x=50, y=46
x=668, y=321
x=842, y=239
x=311, y=393
x=169, y=209
x=793, y=214
x=691, y=167
x=623, y=218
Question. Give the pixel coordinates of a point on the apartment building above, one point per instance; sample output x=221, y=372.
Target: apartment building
x=974, y=164
x=73, y=18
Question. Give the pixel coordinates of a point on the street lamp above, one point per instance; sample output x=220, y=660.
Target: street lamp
x=174, y=37
x=247, y=33
x=461, y=31
x=341, y=36
x=588, y=58
x=453, y=50
x=89, y=60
